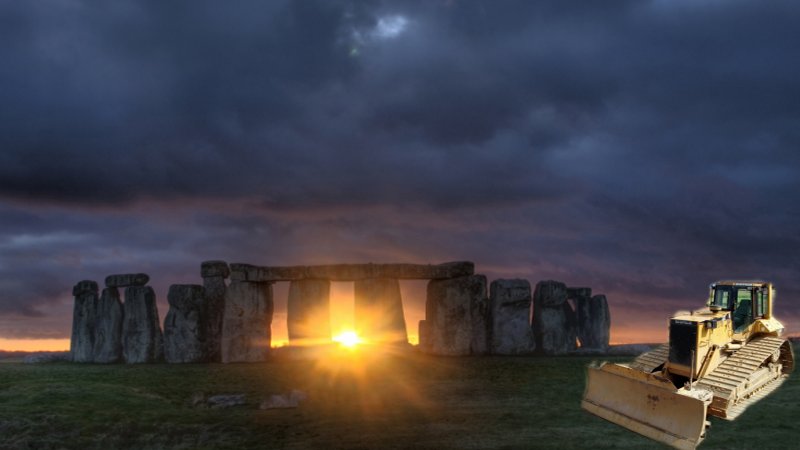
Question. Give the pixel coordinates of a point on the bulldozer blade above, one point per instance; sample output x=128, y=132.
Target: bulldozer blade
x=647, y=404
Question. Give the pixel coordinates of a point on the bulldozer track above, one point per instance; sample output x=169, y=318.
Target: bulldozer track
x=650, y=361
x=733, y=382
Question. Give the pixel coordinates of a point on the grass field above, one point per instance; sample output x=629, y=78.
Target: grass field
x=354, y=401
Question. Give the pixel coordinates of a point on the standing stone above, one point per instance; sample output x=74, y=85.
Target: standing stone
x=247, y=327
x=511, y=332
x=424, y=336
x=378, y=310
x=108, y=328
x=453, y=315
x=553, y=319
x=308, y=312
x=184, y=326
x=481, y=324
x=214, y=274
x=83, y=321
x=142, y=340
x=594, y=321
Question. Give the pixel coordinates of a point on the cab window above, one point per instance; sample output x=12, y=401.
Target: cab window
x=761, y=302
x=743, y=309
x=722, y=298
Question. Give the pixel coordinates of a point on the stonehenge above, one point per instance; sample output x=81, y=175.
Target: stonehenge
x=184, y=326
x=83, y=321
x=214, y=274
x=108, y=327
x=142, y=339
x=455, y=316
x=510, y=304
x=378, y=310
x=246, y=327
x=309, y=311
x=228, y=318
x=353, y=272
x=553, y=319
x=594, y=321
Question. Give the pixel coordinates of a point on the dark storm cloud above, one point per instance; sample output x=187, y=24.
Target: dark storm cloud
x=642, y=148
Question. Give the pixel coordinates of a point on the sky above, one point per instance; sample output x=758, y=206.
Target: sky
x=642, y=148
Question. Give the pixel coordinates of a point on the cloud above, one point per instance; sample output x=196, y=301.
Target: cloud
x=642, y=148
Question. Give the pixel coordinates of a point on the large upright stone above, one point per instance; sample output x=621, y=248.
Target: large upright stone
x=214, y=274
x=127, y=279
x=553, y=319
x=594, y=321
x=247, y=327
x=184, y=326
x=108, y=328
x=83, y=321
x=453, y=316
x=510, y=304
x=308, y=312
x=378, y=310
x=142, y=340
x=481, y=324
x=424, y=336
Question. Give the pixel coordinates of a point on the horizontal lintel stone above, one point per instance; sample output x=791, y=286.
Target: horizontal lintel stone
x=127, y=279
x=352, y=272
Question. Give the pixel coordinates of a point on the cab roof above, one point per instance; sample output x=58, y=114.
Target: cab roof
x=740, y=283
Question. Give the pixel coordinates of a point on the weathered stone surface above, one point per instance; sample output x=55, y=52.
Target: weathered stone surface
x=550, y=293
x=378, y=310
x=510, y=304
x=85, y=287
x=184, y=326
x=142, y=340
x=553, y=319
x=247, y=327
x=308, y=312
x=214, y=269
x=127, y=279
x=594, y=321
x=284, y=401
x=108, y=328
x=226, y=400
x=214, y=315
x=424, y=336
x=83, y=321
x=47, y=357
x=579, y=292
x=453, y=315
x=481, y=325
x=353, y=272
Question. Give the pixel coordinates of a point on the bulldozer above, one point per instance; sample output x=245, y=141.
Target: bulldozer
x=719, y=360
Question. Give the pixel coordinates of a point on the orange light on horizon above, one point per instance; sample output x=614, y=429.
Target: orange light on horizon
x=348, y=339
x=34, y=345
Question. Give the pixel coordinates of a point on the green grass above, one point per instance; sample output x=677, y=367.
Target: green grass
x=391, y=401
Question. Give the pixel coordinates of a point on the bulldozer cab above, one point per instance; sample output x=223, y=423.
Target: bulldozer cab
x=746, y=302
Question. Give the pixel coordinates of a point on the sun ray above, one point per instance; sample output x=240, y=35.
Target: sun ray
x=349, y=339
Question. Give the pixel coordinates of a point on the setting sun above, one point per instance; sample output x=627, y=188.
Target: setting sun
x=348, y=339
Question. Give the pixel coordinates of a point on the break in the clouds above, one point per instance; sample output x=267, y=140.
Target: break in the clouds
x=644, y=148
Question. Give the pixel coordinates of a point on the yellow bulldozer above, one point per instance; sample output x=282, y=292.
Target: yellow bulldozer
x=719, y=360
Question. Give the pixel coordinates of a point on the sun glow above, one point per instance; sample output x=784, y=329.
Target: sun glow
x=348, y=339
